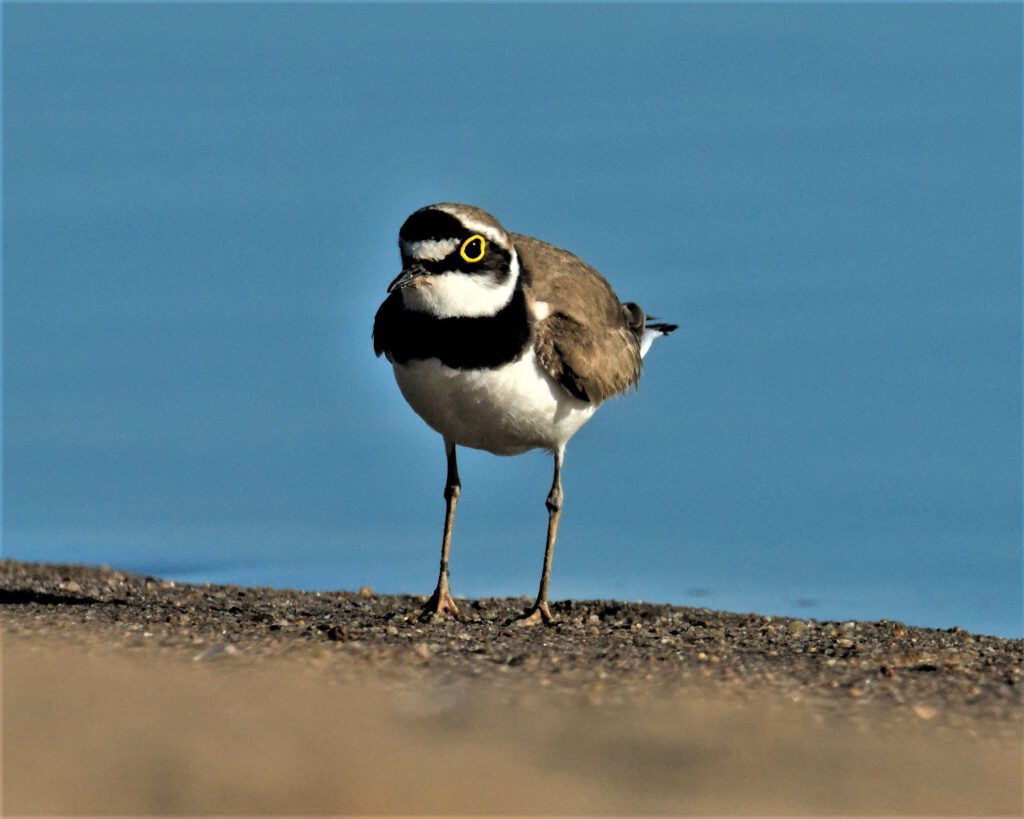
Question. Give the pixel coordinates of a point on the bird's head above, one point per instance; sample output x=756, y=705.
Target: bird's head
x=457, y=261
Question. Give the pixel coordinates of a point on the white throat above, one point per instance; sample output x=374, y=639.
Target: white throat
x=459, y=294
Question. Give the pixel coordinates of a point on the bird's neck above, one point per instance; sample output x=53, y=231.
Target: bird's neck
x=458, y=294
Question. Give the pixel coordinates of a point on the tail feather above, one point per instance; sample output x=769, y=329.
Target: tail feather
x=653, y=331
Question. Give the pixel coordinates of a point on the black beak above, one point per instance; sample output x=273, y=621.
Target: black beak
x=412, y=273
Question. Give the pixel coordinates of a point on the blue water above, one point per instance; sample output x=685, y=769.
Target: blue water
x=200, y=211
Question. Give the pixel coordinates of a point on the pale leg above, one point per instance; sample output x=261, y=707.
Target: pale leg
x=441, y=601
x=540, y=611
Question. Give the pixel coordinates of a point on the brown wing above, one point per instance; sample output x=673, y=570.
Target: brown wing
x=586, y=342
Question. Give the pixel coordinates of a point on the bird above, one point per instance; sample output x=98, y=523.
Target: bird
x=504, y=343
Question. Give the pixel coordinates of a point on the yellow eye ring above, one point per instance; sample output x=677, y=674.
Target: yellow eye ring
x=465, y=247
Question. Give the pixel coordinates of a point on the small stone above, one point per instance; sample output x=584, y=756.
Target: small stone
x=925, y=711
x=392, y=630
x=424, y=650
x=365, y=591
x=844, y=642
x=70, y=586
x=217, y=652
x=337, y=633
x=796, y=627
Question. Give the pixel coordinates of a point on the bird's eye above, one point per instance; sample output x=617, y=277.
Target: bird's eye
x=473, y=248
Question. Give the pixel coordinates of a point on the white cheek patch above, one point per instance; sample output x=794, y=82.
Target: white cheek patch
x=430, y=250
x=447, y=295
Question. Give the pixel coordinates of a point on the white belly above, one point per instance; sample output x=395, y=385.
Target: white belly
x=504, y=411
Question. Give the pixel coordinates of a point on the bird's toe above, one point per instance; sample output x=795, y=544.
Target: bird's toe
x=538, y=613
x=438, y=606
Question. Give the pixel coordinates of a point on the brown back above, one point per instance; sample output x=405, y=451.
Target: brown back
x=586, y=342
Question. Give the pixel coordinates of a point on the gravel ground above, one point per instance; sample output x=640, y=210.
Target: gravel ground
x=606, y=648
x=131, y=695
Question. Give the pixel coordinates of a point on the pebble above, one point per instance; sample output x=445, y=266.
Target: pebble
x=337, y=633
x=217, y=652
x=925, y=711
x=70, y=586
x=796, y=627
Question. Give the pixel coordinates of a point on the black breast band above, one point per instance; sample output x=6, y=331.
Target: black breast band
x=460, y=343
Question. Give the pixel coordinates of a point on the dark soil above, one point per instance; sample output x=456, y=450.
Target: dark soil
x=952, y=676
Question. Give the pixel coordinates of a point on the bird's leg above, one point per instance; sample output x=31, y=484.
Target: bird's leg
x=540, y=611
x=441, y=601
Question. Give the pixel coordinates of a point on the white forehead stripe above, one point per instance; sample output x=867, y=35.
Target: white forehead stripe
x=485, y=230
x=430, y=250
x=473, y=226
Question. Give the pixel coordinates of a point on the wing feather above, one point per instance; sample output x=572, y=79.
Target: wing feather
x=586, y=341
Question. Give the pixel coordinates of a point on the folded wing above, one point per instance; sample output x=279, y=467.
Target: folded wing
x=586, y=339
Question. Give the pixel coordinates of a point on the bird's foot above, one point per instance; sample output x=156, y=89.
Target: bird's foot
x=439, y=604
x=537, y=614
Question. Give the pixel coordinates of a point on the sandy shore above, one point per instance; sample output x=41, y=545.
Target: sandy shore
x=131, y=695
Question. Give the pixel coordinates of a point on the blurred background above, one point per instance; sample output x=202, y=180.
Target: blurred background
x=200, y=211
